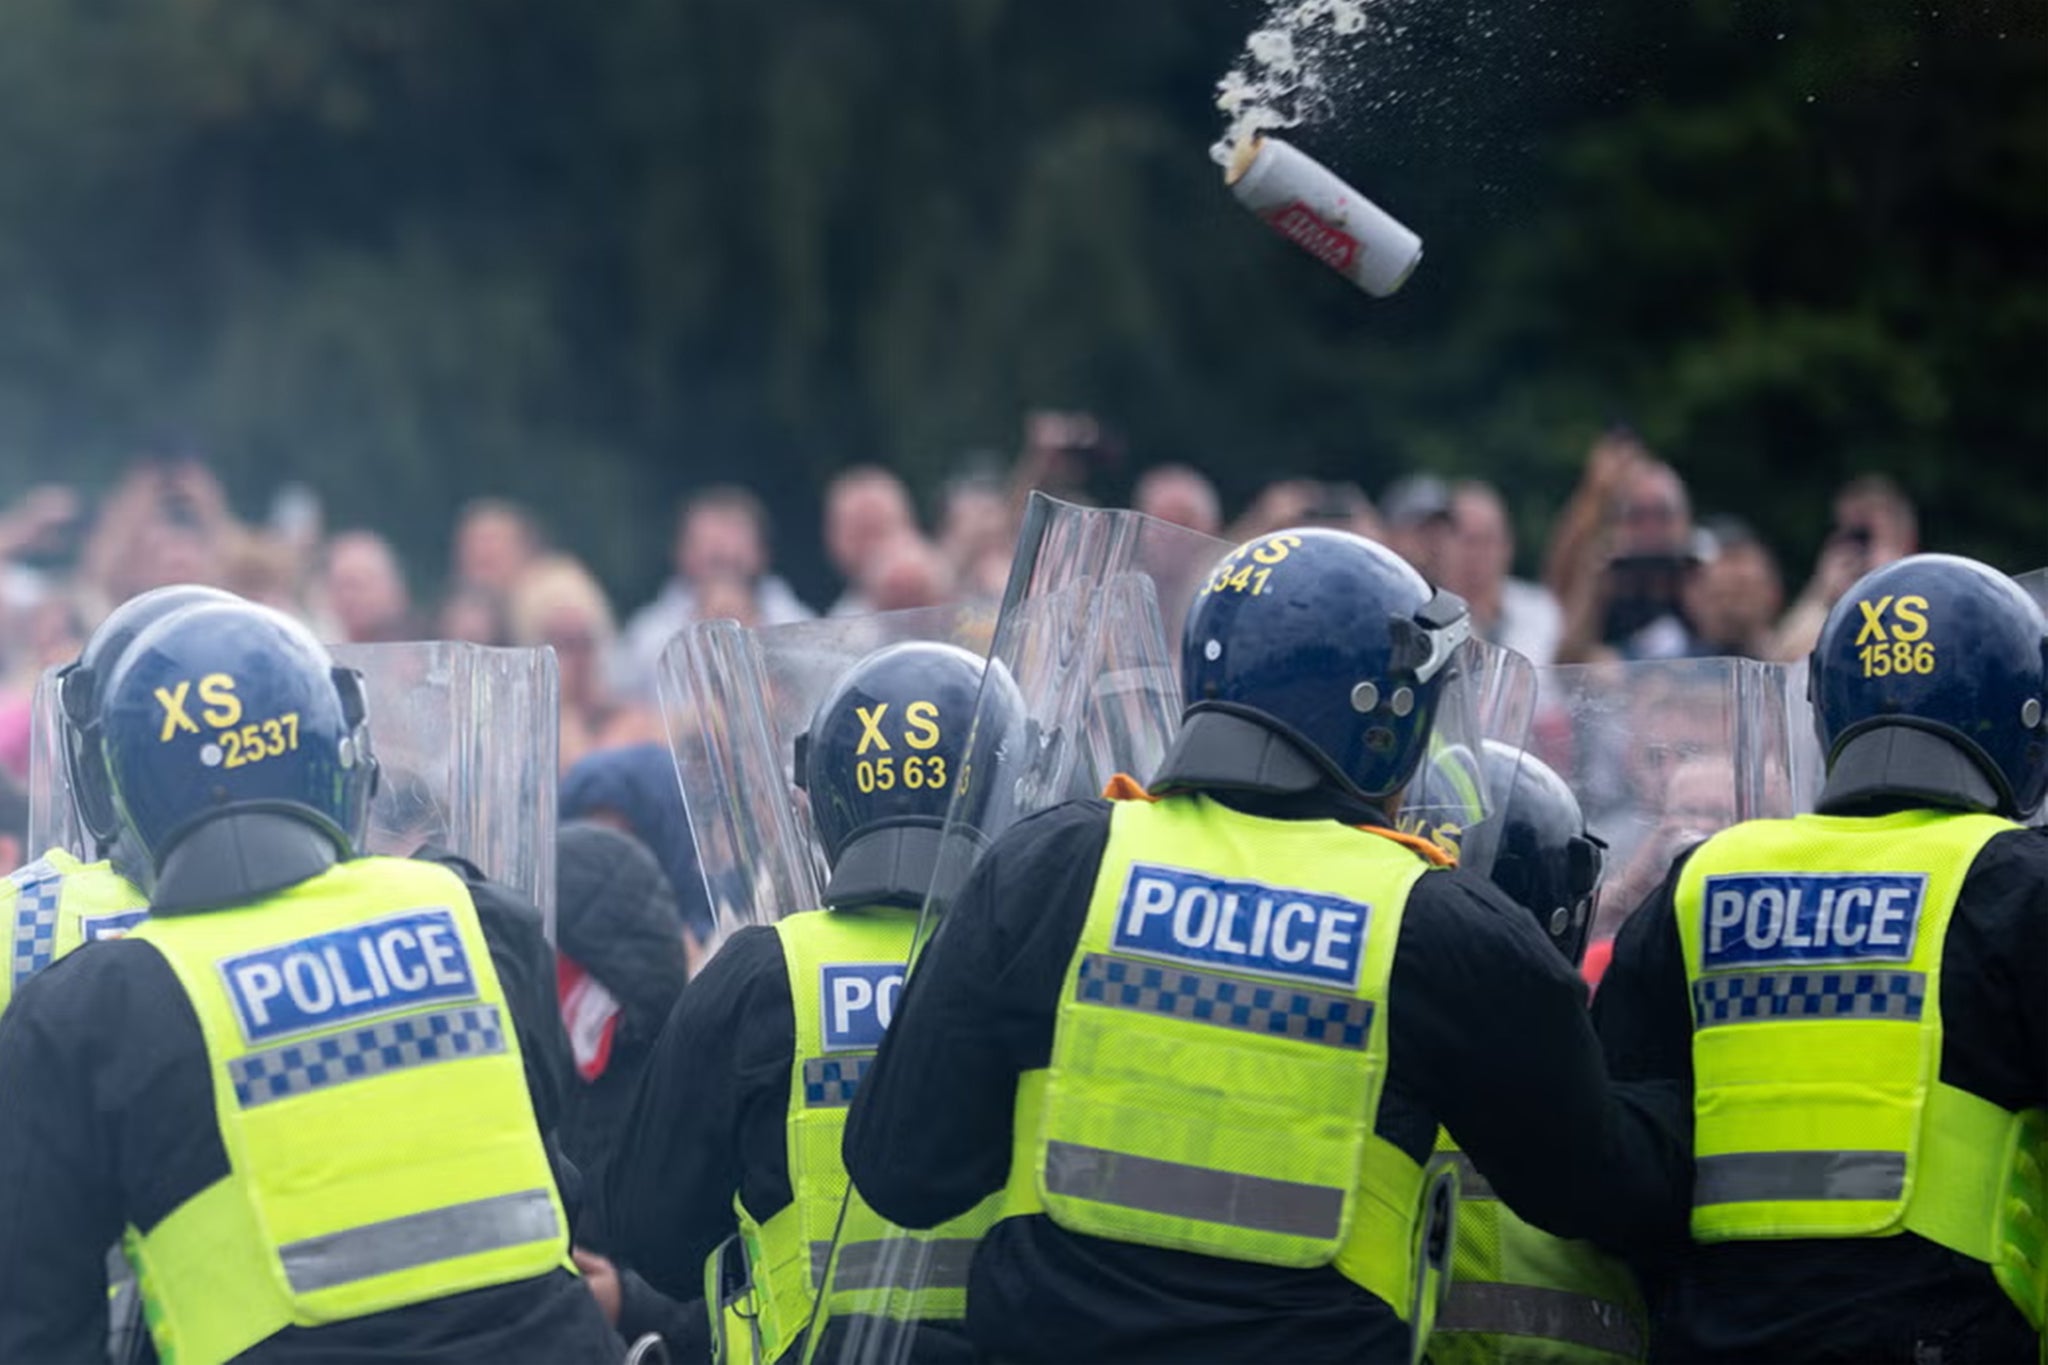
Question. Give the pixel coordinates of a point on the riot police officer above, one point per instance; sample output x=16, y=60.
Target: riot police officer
x=297, y=1087
x=1202, y=1037
x=1855, y=1003
x=734, y=1143
x=1518, y=1295
x=59, y=900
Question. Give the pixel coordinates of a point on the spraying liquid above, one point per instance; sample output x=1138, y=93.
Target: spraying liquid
x=1284, y=79
x=1290, y=66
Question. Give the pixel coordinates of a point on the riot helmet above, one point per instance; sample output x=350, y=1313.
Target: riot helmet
x=81, y=684
x=888, y=751
x=1929, y=682
x=224, y=709
x=1312, y=656
x=1548, y=861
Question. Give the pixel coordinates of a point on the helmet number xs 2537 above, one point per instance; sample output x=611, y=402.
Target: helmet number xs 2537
x=254, y=742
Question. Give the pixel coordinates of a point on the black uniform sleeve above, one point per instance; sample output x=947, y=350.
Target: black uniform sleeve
x=708, y=1121
x=1643, y=1011
x=80, y=1043
x=525, y=963
x=1489, y=1028
x=928, y=1136
x=1994, y=975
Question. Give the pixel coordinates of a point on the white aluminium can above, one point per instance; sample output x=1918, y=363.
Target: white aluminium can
x=1306, y=204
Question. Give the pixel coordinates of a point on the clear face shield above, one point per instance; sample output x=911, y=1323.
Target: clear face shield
x=1489, y=697
x=53, y=820
x=465, y=736
x=734, y=703
x=1089, y=631
x=1663, y=754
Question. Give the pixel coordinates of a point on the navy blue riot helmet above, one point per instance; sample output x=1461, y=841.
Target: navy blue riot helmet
x=1929, y=683
x=227, y=708
x=886, y=753
x=1312, y=655
x=79, y=687
x=1548, y=862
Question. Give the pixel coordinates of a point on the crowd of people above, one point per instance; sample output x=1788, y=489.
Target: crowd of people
x=1630, y=568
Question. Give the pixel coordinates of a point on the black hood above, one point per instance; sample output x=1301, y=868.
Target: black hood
x=615, y=917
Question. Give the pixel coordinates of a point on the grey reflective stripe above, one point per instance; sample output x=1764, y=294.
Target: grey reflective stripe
x=1752, y=1177
x=1173, y=1190
x=1274, y=1011
x=1471, y=1184
x=906, y=1263
x=829, y=1082
x=1748, y=997
x=417, y=1239
x=1517, y=1310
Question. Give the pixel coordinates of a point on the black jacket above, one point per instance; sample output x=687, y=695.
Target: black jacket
x=109, y=1120
x=616, y=919
x=1488, y=1035
x=1863, y=1299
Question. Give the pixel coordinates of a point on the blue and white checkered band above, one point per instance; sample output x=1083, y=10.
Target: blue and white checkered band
x=829, y=1082
x=1249, y=1007
x=417, y=1040
x=1750, y=997
x=37, y=890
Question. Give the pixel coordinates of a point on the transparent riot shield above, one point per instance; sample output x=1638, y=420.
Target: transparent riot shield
x=734, y=702
x=465, y=738
x=1489, y=701
x=52, y=816
x=1663, y=754
x=1089, y=631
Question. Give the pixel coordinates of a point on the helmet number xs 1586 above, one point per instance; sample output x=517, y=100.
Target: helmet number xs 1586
x=1893, y=638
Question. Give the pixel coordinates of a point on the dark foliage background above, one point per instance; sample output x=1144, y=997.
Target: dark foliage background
x=592, y=255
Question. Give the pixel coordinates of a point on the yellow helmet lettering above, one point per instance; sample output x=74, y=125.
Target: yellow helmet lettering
x=921, y=725
x=1909, y=618
x=1873, y=620
x=175, y=719
x=223, y=707
x=871, y=728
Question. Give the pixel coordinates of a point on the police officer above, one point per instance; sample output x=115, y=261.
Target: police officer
x=1855, y=1003
x=1203, y=1037
x=60, y=902
x=297, y=1087
x=737, y=1128
x=1518, y=1295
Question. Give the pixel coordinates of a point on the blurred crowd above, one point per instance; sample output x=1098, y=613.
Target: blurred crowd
x=1630, y=568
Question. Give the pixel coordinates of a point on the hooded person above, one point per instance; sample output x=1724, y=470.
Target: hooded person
x=621, y=965
x=635, y=790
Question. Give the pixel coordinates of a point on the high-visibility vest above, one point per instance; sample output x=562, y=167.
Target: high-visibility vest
x=1813, y=948
x=59, y=904
x=1221, y=1048
x=1520, y=1296
x=846, y=969
x=381, y=1144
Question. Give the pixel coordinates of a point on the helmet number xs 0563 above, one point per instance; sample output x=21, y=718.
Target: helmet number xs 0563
x=925, y=773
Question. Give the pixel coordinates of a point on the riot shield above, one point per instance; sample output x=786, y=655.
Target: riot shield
x=465, y=736
x=52, y=816
x=465, y=739
x=2036, y=584
x=734, y=702
x=1662, y=754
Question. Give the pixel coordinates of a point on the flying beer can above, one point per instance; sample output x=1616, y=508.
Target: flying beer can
x=1302, y=201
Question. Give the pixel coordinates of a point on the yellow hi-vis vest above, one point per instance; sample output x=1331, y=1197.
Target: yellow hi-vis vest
x=846, y=970
x=1813, y=947
x=1220, y=1051
x=1520, y=1296
x=381, y=1144
x=60, y=904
